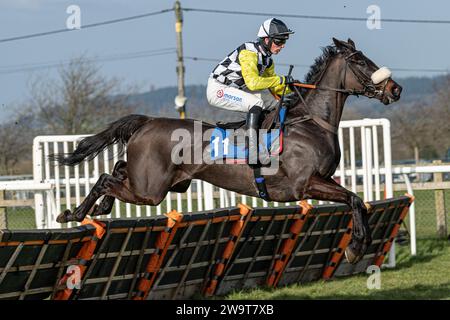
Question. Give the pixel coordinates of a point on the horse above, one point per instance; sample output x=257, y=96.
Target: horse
x=309, y=159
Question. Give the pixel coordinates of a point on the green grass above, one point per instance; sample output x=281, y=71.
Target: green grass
x=20, y=218
x=425, y=276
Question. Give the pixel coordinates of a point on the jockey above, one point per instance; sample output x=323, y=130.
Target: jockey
x=245, y=79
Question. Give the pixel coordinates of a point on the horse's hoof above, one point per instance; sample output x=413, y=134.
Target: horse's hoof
x=63, y=217
x=350, y=256
x=355, y=252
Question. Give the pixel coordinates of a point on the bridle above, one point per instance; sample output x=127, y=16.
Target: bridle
x=369, y=90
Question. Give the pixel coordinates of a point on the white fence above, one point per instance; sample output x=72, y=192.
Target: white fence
x=366, y=158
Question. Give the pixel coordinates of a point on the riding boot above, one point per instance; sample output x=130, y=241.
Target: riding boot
x=253, y=118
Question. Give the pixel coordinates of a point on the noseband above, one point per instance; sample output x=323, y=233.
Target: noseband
x=369, y=89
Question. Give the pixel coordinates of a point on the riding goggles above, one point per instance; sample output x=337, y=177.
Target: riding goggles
x=279, y=42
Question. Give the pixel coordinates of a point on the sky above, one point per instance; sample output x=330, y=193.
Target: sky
x=208, y=35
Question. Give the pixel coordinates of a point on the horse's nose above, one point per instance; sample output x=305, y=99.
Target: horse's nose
x=396, y=91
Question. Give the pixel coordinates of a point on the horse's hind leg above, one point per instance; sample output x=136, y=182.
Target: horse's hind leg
x=115, y=188
x=107, y=203
x=82, y=210
x=329, y=190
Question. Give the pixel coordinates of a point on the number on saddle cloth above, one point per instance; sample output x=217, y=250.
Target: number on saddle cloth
x=229, y=145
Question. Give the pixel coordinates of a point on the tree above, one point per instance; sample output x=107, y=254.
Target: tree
x=424, y=127
x=15, y=143
x=82, y=101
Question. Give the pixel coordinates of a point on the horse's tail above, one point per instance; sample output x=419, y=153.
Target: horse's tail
x=89, y=147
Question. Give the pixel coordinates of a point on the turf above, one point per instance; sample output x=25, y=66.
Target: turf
x=425, y=276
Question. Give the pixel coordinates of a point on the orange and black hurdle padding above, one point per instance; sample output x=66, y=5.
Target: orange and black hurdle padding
x=379, y=258
x=211, y=252
x=261, y=242
x=384, y=215
x=338, y=253
x=321, y=234
x=198, y=244
x=121, y=258
x=234, y=236
x=288, y=245
x=33, y=261
x=156, y=259
x=81, y=260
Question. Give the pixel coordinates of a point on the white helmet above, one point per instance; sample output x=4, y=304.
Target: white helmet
x=274, y=28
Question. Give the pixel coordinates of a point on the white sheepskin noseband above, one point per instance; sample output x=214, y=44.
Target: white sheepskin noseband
x=380, y=75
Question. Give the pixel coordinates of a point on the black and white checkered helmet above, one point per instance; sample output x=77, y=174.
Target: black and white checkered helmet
x=274, y=28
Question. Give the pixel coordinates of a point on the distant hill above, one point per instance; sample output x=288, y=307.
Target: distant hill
x=160, y=102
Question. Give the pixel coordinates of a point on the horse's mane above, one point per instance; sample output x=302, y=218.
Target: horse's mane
x=320, y=64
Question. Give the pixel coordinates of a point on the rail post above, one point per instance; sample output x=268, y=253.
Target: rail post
x=3, y=217
x=441, y=218
x=39, y=206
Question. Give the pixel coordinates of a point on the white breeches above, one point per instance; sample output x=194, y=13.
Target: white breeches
x=233, y=99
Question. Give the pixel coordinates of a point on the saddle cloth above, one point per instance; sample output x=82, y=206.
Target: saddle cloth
x=230, y=146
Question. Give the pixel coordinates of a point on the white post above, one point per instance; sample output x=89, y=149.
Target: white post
x=179, y=203
x=209, y=196
x=369, y=164
x=364, y=162
x=222, y=197
x=376, y=162
x=352, y=158
x=38, y=178
x=115, y=159
x=199, y=195
x=57, y=186
x=342, y=162
x=50, y=212
x=233, y=199
x=412, y=216
x=189, y=198
x=388, y=176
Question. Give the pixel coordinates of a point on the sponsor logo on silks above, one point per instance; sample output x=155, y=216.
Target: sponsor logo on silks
x=232, y=98
x=219, y=93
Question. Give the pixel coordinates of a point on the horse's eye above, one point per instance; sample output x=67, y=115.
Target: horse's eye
x=361, y=62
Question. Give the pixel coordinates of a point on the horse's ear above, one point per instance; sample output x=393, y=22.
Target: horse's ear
x=351, y=43
x=341, y=45
x=338, y=43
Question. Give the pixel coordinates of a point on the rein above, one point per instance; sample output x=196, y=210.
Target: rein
x=368, y=90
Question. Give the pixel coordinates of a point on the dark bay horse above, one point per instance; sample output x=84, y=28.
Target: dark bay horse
x=310, y=157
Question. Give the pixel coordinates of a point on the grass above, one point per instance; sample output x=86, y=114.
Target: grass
x=425, y=276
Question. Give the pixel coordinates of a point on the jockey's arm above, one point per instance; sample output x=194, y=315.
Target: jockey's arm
x=278, y=90
x=249, y=66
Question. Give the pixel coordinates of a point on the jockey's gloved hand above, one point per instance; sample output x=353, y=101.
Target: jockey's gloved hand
x=288, y=80
x=289, y=100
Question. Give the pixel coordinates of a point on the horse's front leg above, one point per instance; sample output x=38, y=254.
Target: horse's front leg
x=329, y=190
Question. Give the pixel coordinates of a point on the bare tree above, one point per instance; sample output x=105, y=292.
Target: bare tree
x=15, y=143
x=424, y=127
x=82, y=101
x=440, y=117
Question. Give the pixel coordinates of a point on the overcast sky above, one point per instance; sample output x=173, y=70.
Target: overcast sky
x=398, y=45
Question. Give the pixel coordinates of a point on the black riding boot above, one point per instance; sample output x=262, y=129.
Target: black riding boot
x=253, y=118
